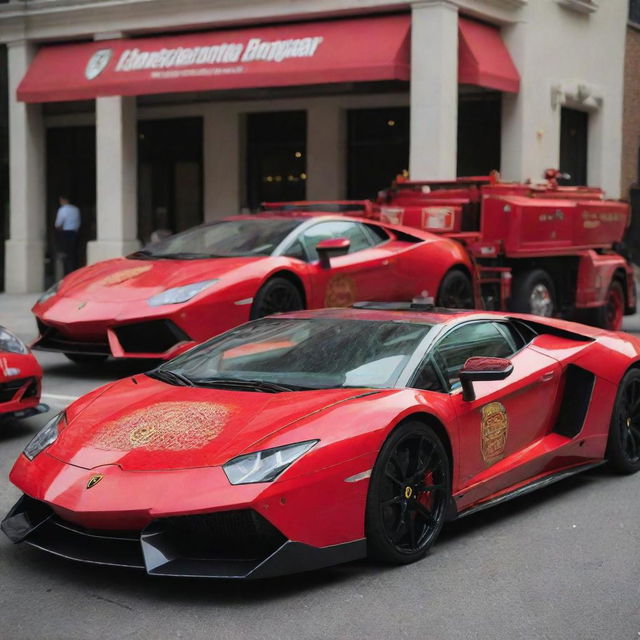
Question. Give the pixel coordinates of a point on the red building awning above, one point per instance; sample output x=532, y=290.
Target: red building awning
x=363, y=50
x=483, y=58
x=354, y=50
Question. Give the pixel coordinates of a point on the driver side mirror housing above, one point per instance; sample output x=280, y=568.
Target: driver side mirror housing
x=480, y=369
x=331, y=248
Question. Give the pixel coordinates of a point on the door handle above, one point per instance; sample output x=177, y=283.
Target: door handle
x=549, y=375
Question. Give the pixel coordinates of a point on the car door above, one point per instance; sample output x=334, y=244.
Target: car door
x=358, y=275
x=508, y=415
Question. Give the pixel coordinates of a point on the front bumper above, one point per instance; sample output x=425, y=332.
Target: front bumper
x=238, y=544
x=20, y=398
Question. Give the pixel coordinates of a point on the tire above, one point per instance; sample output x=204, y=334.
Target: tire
x=456, y=291
x=623, y=445
x=611, y=314
x=402, y=519
x=533, y=292
x=275, y=296
x=85, y=359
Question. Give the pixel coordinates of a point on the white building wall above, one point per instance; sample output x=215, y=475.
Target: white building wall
x=572, y=58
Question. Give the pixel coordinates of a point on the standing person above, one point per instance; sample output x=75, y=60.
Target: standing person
x=68, y=224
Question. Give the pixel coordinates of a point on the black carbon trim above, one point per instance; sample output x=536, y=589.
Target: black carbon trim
x=578, y=389
x=157, y=550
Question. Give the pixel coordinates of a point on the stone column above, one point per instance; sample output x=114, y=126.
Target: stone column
x=116, y=179
x=25, y=249
x=222, y=171
x=326, y=152
x=434, y=90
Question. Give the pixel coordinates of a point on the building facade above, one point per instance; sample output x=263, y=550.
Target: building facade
x=154, y=114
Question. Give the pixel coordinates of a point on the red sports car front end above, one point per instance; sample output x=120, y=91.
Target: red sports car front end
x=20, y=378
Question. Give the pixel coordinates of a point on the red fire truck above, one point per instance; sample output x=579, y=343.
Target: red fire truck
x=535, y=248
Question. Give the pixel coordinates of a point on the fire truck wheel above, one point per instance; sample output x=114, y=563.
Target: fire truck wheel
x=533, y=292
x=610, y=315
x=455, y=291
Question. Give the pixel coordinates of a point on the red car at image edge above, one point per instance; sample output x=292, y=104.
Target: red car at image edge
x=313, y=438
x=20, y=378
x=189, y=287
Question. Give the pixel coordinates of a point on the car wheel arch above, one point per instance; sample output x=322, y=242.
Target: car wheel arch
x=291, y=277
x=438, y=427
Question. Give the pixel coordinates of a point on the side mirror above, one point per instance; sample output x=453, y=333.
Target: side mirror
x=479, y=369
x=330, y=248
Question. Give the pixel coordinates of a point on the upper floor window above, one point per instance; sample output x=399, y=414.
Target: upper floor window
x=634, y=11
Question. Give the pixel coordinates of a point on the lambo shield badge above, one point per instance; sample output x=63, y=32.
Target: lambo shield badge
x=93, y=480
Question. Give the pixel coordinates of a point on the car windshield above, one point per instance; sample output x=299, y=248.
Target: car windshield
x=300, y=353
x=228, y=238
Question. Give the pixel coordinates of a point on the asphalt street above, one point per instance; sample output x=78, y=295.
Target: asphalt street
x=563, y=563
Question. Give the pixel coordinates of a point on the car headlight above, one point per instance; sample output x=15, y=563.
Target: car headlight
x=49, y=293
x=45, y=437
x=11, y=343
x=180, y=294
x=265, y=465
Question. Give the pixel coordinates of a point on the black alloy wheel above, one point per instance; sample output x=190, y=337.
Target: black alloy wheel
x=623, y=447
x=408, y=495
x=275, y=296
x=456, y=291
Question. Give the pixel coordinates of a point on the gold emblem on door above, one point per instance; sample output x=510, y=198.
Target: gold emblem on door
x=494, y=430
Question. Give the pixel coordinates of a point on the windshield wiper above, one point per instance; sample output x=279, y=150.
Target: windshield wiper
x=248, y=385
x=171, y=377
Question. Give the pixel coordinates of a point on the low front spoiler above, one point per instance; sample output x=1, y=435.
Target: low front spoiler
x=153, y=550
x=26, y=413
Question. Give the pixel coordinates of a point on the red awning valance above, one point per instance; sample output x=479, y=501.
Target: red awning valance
x=483, y=58
x=354, y=50
x=362, y=50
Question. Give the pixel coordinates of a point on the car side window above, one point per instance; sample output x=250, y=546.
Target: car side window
x=353, y=231
x=427, y=378
x=296, y=250
x=472, y=339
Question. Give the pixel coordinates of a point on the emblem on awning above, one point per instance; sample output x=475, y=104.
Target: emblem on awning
x=97, y=63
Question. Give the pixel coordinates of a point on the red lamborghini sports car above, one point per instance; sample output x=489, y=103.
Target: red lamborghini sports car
x=316, y=437
x=20, y=378
x=159, y=301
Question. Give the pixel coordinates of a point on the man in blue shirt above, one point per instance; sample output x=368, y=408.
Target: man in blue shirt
x=68, y=225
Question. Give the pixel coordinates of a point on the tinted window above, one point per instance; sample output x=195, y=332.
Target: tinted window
x=427, y=378
x=335, y=229
x=475, y=339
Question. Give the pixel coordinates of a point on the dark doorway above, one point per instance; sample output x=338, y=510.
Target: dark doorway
x=276, y=157
x=71, y=171
x=378, y=149
x=574, y=135
x=479, y=134
x=169, y=175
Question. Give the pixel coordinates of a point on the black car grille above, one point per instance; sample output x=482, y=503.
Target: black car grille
x=239, y=535
x=52, y=340
x=9, y=390
x=155, y=336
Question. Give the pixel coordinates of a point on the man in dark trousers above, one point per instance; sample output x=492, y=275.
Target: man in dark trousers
x=68, y=225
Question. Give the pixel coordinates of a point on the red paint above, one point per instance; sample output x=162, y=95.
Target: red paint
x=19, y=366
x=95, y=300
x=311, y=502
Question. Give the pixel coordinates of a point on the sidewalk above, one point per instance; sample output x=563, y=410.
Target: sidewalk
x=15, y=314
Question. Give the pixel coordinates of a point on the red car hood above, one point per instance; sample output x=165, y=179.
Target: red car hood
x=155, y=426
x=125, y=280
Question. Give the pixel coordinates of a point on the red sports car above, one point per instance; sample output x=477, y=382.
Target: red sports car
x=20, y=378
x=159, y=301
x=312, y=438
